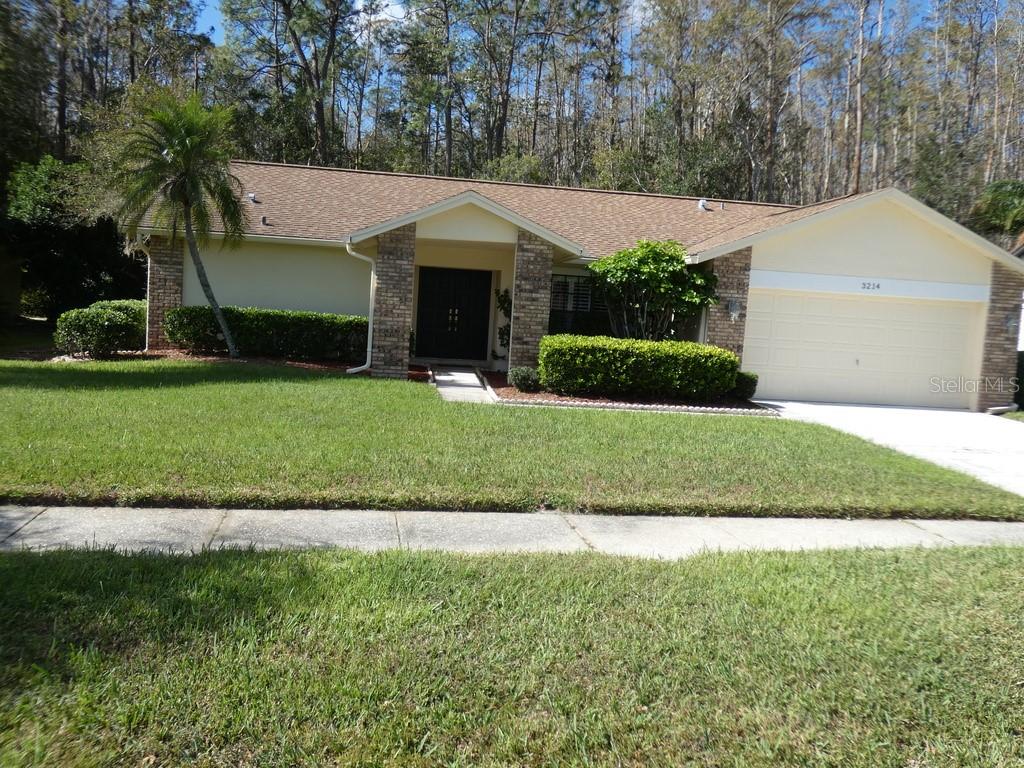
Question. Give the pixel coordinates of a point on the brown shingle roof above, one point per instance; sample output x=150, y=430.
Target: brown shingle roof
x=759, y=224
x=331, y=204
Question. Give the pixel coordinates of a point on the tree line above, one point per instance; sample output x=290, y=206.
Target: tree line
x=773, y=100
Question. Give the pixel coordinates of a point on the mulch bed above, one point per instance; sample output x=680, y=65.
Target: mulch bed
x=511, y=396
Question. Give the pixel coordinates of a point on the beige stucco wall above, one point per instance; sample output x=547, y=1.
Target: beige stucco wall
x=878, y=239
x=284, y=276
x=467, y=222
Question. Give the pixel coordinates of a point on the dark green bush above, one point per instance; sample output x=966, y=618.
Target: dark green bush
x=270, y=333
x=524, y=378
x=103, y=328
x=605, y=366
x=137, y=308
x=746, y=385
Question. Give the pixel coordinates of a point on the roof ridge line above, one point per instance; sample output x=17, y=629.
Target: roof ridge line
x=837, y=198
x=367, y=172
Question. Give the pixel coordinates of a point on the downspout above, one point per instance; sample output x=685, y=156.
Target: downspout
x=369, y=315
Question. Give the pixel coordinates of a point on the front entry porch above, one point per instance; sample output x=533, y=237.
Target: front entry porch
x=453, y=314
x=434, y=300
x=428, y=290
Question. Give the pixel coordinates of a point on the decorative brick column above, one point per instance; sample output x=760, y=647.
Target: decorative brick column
x=392, y=304
x=531, y=299
x=733, y=272
x=999, y=357
x=163, y=287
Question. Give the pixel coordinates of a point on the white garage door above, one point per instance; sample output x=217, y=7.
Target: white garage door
x=833, y=348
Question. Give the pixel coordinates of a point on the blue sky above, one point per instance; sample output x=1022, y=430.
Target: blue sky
x=210, y=17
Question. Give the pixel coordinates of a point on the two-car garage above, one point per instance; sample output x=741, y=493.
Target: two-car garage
x=841, y=348
x=877, y=301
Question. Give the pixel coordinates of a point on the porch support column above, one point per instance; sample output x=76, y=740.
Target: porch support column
x=163, y=287
x=999, y=357
x=392, y=306
x=733, y=273
x=531, y=299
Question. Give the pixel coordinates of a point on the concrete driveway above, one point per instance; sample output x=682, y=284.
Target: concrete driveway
x=989, y=448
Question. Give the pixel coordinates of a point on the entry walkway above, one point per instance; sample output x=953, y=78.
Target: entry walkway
x=460, y=385
x=192, y=530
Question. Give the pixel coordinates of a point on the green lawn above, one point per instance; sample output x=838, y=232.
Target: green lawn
x=1016, y=415
x=871, y=659
x=223, y=434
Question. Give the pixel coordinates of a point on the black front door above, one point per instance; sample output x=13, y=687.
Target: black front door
x=453, y=313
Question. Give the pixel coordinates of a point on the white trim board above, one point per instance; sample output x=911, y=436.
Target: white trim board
x=867, y=285
x=283, y=239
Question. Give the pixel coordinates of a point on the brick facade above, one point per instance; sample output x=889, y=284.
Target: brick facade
x=531, y=298
x=392, y=304
x=163, y=287
x=733, y=272
x=999, y=357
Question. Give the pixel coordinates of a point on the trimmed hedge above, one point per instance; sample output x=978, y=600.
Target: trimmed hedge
x=606, y=366
x=103, y=328
x=746, y=385
x=137, y=307
x=270, y=332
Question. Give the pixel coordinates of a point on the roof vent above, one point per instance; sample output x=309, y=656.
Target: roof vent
x=722, y=205
x=702, y=204
x=252, y=197
x=263, y=221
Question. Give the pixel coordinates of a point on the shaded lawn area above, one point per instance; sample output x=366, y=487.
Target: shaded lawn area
x=1016, y=415
x=227, y=658
x=224, y=434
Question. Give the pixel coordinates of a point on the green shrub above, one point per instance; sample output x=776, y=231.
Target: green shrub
x=524, y=378
x=137, y=308
x=746, y=385
x=270, y=332
x=650, y=288
x=601, y=365
x=103, y=328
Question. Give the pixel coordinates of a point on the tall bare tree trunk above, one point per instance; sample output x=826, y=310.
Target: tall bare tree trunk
x=858, y=97
x=132, y=74
x=63, y=35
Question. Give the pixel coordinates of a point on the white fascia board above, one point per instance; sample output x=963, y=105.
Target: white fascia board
x=471, y=197
x=958, y=231
x=283, y=239
x=867, y=285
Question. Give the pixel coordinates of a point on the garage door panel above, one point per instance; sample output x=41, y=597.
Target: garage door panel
x=854, y=349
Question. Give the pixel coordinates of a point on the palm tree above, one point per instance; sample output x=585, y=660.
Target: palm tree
x=174, y=169
x=1000, y=209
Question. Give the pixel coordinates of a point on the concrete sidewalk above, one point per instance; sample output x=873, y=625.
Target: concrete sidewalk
x=191, y=530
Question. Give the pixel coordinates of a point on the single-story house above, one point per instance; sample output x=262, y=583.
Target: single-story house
x=871, y=298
